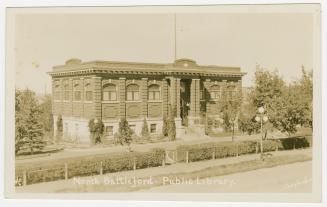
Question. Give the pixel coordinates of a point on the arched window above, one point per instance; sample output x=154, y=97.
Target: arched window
x=66, y=91
x=88, y=92
x=109, y=92
x=77, y=92
x=132, y=92
x=215, y=92
x=154, y=92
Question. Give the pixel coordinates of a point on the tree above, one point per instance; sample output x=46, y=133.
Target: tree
x=145, y=129
x=46, y=115
x=304, y=89
x=96, y=128
x=28, y=123
x=230, y=108
x=165, y=126
x=171, y=125
x=287, y=106
x=124, y=135
x=291, y=112
x=269, y=92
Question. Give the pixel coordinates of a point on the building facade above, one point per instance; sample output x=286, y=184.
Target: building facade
x=109, y=90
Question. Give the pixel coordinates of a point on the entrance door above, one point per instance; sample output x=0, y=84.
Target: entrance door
x=185, y=99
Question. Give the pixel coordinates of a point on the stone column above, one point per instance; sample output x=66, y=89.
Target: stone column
x=97, y=94
x=194, y=117
x=164, y=97
x=239, y=87
x=144, y=96
x=122, y=97
x=172, y=94
x=178, y=97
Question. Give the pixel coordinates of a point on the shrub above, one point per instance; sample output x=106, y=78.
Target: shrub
x=86, y=165
x=206, y=151
x=96, y=128
x=59, y=127
x=271, y=145
x=145, y=130
x=124, y=135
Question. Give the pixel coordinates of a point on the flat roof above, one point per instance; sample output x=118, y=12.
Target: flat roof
x=180, y=66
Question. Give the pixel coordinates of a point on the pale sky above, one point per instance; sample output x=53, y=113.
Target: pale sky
x=282, y=41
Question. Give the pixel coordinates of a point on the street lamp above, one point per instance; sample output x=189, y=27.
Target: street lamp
x=261, y=117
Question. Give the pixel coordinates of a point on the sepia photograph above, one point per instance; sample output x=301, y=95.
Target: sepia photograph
x=164, y=102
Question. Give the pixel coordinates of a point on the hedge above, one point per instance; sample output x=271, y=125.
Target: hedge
x=86, y=166
x=207, y=151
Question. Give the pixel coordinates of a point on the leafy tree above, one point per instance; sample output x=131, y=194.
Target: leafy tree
x=46, y=115
x=269, y=92
x=96, y=128
x=124, y=135
x=165, y=126
x=28, y=123
x=304, y=89
x=230, y=108
x=145, y=129
x=287, y=106
x=291, y=112
x=171, y=125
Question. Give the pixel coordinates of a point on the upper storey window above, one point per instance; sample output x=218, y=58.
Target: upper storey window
x=215, y=92
x=132, y=92
x=66, y=91
x=109, y=92
x=88, y=92
x=154, y=92
x=77, y=92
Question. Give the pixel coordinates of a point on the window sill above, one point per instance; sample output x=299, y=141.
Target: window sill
x=154, y=101
x=133, y=101
x=110, y=101
x=88, y=101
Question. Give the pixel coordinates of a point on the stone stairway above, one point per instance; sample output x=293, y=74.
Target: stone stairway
x=195, y=133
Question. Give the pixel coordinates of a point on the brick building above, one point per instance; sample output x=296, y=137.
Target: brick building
x=109, y=90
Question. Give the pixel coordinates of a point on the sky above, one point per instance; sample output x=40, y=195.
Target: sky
x=275, y=41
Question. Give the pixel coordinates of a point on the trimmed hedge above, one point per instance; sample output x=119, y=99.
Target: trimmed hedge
x=207, y=151
x=86, y=166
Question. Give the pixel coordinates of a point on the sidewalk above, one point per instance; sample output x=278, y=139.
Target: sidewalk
x=101, y=149
x=148, y=172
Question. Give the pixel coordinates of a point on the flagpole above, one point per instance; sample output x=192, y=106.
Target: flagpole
x=175, y=42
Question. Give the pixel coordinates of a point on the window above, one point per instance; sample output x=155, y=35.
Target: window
x=231, y=91
x=109, y=131
x=88, y=92
x=154, y=92
x=132, y=92
x=109, y=93
x=153, y=128
x=77, y=92
x=215, y=92
x=57, y=92
x=132, y=127
x=66, y=91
